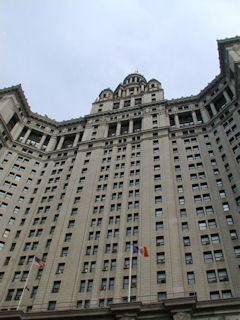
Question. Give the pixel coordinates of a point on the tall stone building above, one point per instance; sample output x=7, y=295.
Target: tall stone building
x=139, y=170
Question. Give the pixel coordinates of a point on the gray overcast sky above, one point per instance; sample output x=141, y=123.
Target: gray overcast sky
x=64, y=52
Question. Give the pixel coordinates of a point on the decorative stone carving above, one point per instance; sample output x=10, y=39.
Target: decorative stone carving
x=182, y=316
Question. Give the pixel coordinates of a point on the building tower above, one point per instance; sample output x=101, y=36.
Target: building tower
x=139, y=170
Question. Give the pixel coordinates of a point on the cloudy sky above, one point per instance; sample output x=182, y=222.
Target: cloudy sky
x=64, y=52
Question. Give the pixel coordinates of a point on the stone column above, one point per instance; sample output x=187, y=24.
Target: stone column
x=212, y=106
x=226, y=96
x=16, y=131
x=194, y=116
x=60, y=143
x=205, y=115
x=42, y=141
x=130, y=127
x=177, y=124
x=232, y=87
x=76, y=140
x=118, y=129
x=27, y=134
x=52, y=143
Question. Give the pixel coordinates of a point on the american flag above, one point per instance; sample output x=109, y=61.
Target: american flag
x=38, y=263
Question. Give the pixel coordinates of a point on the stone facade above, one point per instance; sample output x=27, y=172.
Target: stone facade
x=138, y=170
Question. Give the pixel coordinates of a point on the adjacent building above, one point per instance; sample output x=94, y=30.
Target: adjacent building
x=139, y=170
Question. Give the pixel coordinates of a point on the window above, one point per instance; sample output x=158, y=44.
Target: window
x=90, y=285
x=238, y=201
x=188, y=258
x=18, y=294
x=226, y=294
x=185, y=227
x=208, y=258
x=233, y=235
x=16, y=276
x=56, y=286
x=13, y=245
x=158, y=212
x=6, y=233
x=111, y=284
x=64, y=252
x=214, y=295
x=183, y=213
x=6, y=262
x=218, y=255
x=51, y=305
x=68, y=237
x=157, y=177
x=200, y=211
x=82, y=285
x=206, y=197
x=180, y=189
x=181, y=200
x=34, y=292
x=159, y=226
x=157, y=188
x=191, y=277
x=60, y=268
x=160, y=257
x=71, y=223
x=161, y=277
x=209, y=210
x=222, y=194
x=162, y=295
x=9, y=295
x=95, y=250
x=179, y=178
x=39, y=232
x=237, y=251
x=222, y=275
x=39, y=274
x=34, y=245
x=125, y=282
x=215, y=238
x=212, y=224
x=104, y=284
x=186, y=241
x=160, y=241
x=202, y=225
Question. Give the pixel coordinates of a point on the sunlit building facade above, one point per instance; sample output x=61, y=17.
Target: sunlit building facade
x=139, y=170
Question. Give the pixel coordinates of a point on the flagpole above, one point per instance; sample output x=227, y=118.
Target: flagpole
x=130, y=274
x=25, y=285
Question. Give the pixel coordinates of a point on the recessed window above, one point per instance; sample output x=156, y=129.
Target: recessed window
x=51, y=305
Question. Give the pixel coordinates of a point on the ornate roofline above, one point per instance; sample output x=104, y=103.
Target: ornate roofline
x=20, y=95
x=222, y=44
x=135, y=75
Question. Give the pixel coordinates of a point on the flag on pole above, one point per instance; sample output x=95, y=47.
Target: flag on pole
x=38, y=263
x=142, y=251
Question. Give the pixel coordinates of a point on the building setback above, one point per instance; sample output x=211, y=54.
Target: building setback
x=139, y=170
